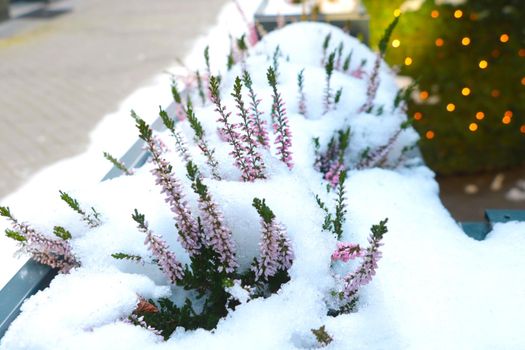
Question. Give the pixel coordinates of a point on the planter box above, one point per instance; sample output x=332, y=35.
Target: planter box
x=356, y=23
x=4, y=10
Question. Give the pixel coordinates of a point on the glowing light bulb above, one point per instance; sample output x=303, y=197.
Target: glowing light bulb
x=430, y=134
x=434, y=14
x=458, y=14
x=473, y=127
x=506, y=120
x=523, y=81
x=504, y=38
x=396, y=43
x=465, y=41
x=418, y=116
x=522, y=129
x=439, y=42
x=408, y=61
x=483, y=64
x=451, y=107
x=423, y=95
x=465, y=91
x=397, y=12
x=480, y=115
x=521, y=52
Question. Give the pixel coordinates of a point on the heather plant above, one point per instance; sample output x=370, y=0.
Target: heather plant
x=54, y=252
x=331, y=162
x=346, y=63
x=280, y=122
x=200, y=87
x=118, y=164
x=92, y=219
x=232, y=136
x=202, y=143
x=339, y=56
x=259, y=124
x=326, y=44
x=180, y=143
x=249, y=132
x=302, y=96
x=327, y=94
x=373, y=80
x=180, y=112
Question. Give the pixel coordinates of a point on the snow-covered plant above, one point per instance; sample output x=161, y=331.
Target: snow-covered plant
x=118, y=164
x=172, y=189
x=166, y=259
x=373, y=79
x=302, y=96
x=200, y=87
x=276, y=253
x=218, y=234
x=54, y=252
x=332, y=161
x=339, y=56
x=202, y=143
x=180, y=143
x=337, y=96
x=333, y=222
x=232, y=136
x=253, y=36
x=367, y=269
x=378, y=156
x=259, y=124
x=403, y=96
x=322, y=336
x=280, y=122
x=180, y=113
x=207, y=60
x=346, y=251
x=327, y=93
x=92, y=219
x=275, y=62
x=249, y=132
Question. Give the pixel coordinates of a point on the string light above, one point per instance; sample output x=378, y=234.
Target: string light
x=418, y=116
x=434, y=14
x=521, y=52
x=473, y=127
x=504, y=38
x=458, y=14
x=508, y=114
x=523, y=81
x=506, y=120
x=439, y=42
x=465, y=91
x=465, y=41
x=430, y=135
x=396, y=43
x=408, y=61
x=423, y=95
x=451, y=107
x=397, y=12
x=483, y=64
x=522, y=129
x=480, y=115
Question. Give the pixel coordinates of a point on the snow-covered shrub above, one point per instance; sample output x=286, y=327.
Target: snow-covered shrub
x=248, y=217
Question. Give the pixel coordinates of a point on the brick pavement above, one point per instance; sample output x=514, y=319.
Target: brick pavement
x=62, y=70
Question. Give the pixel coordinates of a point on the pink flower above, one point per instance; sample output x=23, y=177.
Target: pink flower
x=346, y=251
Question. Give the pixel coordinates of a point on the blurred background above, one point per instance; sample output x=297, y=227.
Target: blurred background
x=65, y=64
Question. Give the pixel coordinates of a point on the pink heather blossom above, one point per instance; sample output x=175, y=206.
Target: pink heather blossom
x=364, y=273
x=218, y=235
x=275, y=250
x=166, y=259
x=181, y=147
x=334, y=172
x=210, y=158
x=56, y=253
x=139, y=321
x=253, y=38
x=358, y=73
x=346, y=252
x=174, y=196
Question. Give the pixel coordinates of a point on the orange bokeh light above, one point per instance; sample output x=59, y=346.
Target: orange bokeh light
x=458, y=14
x=434, y=14
x=504, y=38
x=418, y=116
x=430, y=134
x=495, y=93
x=480, y=115
x=451, y=107
x=506, y=120
x=465, y=41
x=522, y=129
x=465, y=91
x=483, y=64
x=439, y=42
x=423, y=95
x=473, y=127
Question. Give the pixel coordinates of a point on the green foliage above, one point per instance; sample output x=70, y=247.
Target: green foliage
x=200, y=87
x=175, y=93
x=275, y=61
x=322, y=336
x=272, y=79
x=207, y=58
x=346, y=63
x=329, y=65
x=241, y=43
x=340, y=207
x=119, y=165
x=194, y=122
x=300, y=80
x=264, y=211
x=92, y=219
x=124, y=256
x=230, y=61
x=338, y=94
x=168, y=122
x=62, y=233
x=328, y=220
x=379, y=230
x=145, y=132
x=15, y=235
x=5, y=212
x=383, y=43
x=139, y=219
x=326, y=43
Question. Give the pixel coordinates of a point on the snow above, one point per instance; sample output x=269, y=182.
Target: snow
x=435, y=288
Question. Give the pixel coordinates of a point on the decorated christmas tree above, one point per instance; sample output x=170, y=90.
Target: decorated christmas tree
x=468, y=58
